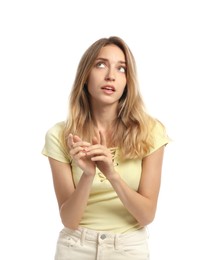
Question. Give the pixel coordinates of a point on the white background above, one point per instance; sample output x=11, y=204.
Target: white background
x=41, y=43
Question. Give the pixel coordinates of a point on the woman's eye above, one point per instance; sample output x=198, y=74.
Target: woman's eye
x=100, y=65
x=122, y=69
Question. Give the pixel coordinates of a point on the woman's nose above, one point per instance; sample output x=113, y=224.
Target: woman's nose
x=110, y=76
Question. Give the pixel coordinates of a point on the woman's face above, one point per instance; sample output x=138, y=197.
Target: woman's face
x=107, y=79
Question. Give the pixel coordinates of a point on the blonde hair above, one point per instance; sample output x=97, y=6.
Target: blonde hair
x=131, y=131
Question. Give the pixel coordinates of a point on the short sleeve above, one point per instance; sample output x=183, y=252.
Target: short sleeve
x=54, y=146
x=159, y=136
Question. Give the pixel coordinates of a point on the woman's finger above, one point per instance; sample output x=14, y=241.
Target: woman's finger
x=94, y=140
x=76, y=150
x=70, y=141
x=102, y=139
x=75, y=141
x=76, y=138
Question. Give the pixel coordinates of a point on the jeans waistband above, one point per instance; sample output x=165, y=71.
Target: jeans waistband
x=104, y=237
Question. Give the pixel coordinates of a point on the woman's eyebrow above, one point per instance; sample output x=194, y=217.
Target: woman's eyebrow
x=103, y=59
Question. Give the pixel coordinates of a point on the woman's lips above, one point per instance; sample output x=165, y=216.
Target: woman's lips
x=108, y=89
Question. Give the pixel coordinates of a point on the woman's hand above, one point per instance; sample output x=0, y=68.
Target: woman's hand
x=78, y=153
x=101, y=156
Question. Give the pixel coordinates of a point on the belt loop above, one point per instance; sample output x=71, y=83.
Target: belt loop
x=147, y=232
x=98, y=238
x=116, y=241
x=83, y=236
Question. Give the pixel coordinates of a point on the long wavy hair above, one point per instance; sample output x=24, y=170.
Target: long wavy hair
x=133, y=125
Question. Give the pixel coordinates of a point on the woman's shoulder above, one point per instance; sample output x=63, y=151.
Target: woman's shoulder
x=157, y=125
x=55, y=134
x=57, y=126
x=54, y=143
x=158, y=129
x=56, y=129
x=158, y=135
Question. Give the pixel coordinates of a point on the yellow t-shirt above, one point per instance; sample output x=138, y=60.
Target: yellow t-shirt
x=104, y=210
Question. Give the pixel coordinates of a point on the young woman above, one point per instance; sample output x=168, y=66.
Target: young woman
x=106, y=160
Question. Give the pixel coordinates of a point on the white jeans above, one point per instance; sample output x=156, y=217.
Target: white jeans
x=86, y=244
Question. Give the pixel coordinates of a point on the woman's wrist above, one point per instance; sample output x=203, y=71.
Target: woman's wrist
x=113, y=177
x=89, y=175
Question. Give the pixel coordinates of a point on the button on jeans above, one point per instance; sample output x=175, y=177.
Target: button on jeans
x=86, y=244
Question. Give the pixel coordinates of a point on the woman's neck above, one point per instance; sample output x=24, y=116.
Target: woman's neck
x=104, y=117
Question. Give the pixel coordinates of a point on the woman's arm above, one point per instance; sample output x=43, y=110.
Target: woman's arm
x=72, y=201
x=142, y=204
